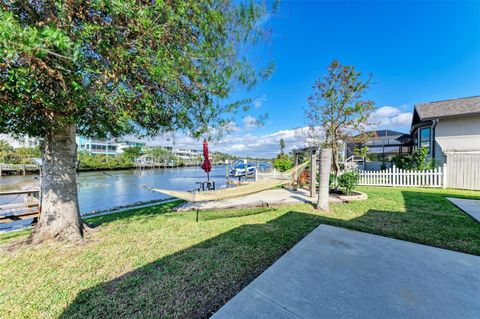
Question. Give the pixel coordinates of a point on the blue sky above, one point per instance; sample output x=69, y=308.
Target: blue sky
x=416, y=51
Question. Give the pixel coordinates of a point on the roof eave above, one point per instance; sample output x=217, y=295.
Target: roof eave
x=448, y=116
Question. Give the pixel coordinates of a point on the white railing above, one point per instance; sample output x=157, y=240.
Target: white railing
x=353, y=161
x=395, y=176
x=18, y=167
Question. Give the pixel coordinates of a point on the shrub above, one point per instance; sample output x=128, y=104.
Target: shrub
x=331, y=181
x=21, y=155
x=283, y=162
x=348, y=181
x=100, y=161
x=417, y=160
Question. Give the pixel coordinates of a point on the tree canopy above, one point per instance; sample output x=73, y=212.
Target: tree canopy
x=107, y=68
x=337, y=106
x=116, y=67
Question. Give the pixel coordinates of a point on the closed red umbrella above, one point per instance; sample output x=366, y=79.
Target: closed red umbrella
x=207, y=166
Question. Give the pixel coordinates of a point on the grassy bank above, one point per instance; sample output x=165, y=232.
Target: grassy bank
x=152, y=262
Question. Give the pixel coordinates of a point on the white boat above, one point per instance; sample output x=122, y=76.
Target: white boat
x=242, y=169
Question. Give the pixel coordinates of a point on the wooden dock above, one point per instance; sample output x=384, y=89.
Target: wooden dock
x=29, y=208
x=18, y=168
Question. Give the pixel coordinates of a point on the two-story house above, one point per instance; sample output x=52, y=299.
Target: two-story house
x=450, y=130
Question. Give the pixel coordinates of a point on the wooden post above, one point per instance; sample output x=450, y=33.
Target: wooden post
x=313, y=173
x=394, y=175
x=295, y=177
x=444, y=174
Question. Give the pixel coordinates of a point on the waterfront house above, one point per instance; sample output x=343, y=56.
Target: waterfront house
x=20, y=141
x=96, y=146
x=123, y=144
x=105, y=147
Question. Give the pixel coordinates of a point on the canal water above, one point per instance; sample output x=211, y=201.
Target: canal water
x=99, y=191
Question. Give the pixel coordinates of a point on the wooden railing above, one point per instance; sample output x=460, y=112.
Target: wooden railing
x=167, y=164
x=18, y=168
x=13, y=210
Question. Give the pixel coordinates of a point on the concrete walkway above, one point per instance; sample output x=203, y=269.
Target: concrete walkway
x=469, y=206
x=279, y=196
x=338, y=273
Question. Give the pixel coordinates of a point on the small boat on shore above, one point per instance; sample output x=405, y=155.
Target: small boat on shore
x=243, y=169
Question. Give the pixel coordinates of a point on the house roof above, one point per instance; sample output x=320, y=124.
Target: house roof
x=385, y=133
x=382, y=134
x=448, y=108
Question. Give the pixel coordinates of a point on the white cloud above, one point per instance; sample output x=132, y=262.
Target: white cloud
x=387, y=111
x=246, y=144
x=259, y=101
x=390, y=117
x=402, y=120
x=232, y=127
x=249, y=122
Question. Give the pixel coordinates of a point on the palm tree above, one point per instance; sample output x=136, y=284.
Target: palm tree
x=324, y=176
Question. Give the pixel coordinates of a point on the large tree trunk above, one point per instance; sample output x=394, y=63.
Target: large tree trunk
x=324, y=176
x=60, y=215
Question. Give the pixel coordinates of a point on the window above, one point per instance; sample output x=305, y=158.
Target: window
x=424, y=140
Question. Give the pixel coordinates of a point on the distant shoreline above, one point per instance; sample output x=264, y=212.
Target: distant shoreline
x=106, y=169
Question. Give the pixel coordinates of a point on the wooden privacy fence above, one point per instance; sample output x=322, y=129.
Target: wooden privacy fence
x=395, y=176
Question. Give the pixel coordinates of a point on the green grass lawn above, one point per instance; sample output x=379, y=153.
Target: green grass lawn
x=152, y=262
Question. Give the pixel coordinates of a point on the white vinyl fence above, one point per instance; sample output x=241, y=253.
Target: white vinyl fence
x=465, y=170
x=399, y=177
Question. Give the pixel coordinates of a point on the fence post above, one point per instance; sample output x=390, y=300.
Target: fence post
x=444, y=171
x=393, y=175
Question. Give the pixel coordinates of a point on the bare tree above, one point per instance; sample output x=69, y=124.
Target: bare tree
x=337, y=106
x=337, y=109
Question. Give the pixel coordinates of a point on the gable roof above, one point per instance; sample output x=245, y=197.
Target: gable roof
x=448, y=108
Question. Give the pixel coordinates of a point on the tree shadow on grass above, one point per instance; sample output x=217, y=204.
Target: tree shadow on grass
x=133, y=213
x=197, y=281
x=235, y=214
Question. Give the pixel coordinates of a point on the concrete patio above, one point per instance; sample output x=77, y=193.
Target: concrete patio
x=469, y=206
x=339, y=273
